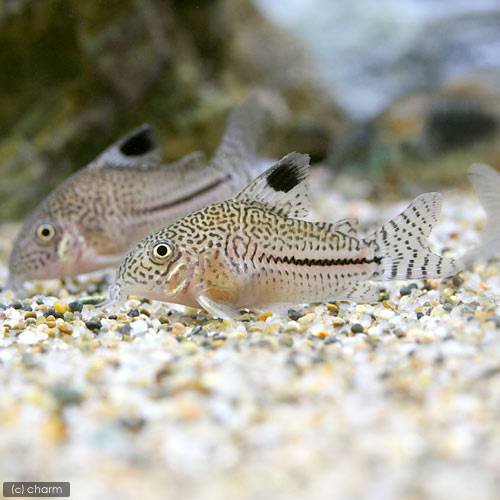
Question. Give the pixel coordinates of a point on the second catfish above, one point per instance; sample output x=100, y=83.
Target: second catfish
x=92, y=218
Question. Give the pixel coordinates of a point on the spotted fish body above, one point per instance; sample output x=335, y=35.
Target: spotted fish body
x=256, y=251
x=90, y=220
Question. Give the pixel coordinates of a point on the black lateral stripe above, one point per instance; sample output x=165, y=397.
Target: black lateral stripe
x=184, y=199
x=318, y=262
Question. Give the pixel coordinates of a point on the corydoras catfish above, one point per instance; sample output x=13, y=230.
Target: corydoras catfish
x=486, y=182
x=92, y=218
x=257, y=251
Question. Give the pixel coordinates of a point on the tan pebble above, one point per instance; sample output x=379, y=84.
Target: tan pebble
x=238, y=335
x=482, y=315
x=292, y=326
x=10, y=417
x=226, y=323
x=217, y=343
x=263, y=316
x=133, y=302
x=65, y=328
x=61, y=307
x=254, y=328
x=427, y=338
x=30, y=314
x=438, y=312
x=389, y=305
x=189, y=410
x=333, y=308
x=95, y=369
x=272, y=328
x=35, y=397
x=190, y=346
x=50, y=323
x=178, y=329
x=307, y=319
x=321, y=334
x=54, y=429
x=338, y=322
x=286, y=340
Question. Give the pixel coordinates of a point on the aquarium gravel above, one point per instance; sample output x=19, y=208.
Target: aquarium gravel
x=336, y=401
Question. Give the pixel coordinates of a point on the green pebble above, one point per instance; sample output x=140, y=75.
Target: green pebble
x=66, y=395
x=357, y=328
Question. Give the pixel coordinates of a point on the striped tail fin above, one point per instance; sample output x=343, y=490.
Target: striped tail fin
x=486, y=182
x=401, y=244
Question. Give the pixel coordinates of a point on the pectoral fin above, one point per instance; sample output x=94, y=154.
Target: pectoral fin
x=217, y=308
x=218, y=290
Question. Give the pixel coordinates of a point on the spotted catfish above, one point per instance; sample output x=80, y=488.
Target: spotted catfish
x=257, y=251
x=90, y=220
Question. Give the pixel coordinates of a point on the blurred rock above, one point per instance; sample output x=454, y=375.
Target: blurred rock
x=374, y=52
x=78, y=74
x=432, y=136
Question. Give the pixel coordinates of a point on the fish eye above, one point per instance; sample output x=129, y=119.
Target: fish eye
x=45, y=232
x=161, y=251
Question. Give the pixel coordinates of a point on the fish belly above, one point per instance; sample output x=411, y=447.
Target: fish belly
x=298, y=285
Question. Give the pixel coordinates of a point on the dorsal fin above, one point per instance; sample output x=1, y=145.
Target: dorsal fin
x=239, y=149
x=136, y=149
x=283, y=188
x=347, y=226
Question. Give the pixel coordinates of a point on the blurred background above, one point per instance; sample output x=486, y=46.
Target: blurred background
x=406, y=92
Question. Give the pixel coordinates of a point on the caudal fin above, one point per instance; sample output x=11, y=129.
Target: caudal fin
x=401, y=244
x=486, y=182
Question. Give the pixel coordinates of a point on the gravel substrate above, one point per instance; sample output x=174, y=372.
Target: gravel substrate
x=339, y=401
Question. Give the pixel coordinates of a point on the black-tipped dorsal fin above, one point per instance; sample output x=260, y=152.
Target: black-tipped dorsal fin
x=136, y=149
x=283, y=188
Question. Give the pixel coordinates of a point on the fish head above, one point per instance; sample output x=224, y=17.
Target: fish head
x=157, y=268
x=45, y=248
